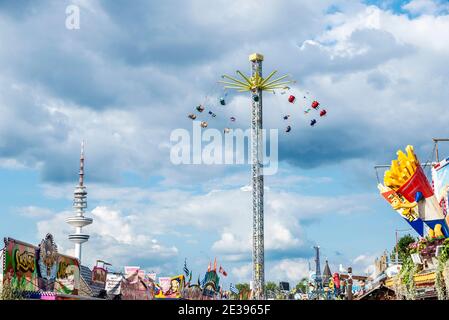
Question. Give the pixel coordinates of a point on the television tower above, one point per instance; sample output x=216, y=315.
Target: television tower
x=78, y=221
x=255, y=84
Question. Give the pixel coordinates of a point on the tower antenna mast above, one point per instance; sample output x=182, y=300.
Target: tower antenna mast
x=78, y=221
x=318, y=279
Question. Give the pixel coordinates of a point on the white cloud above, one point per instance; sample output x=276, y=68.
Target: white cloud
x=114, y=237
x=426, y=7
x=242, y=273
x=11, y=164
x=291, y=270
x=34, y=212
x=228, y=211
x=135, y=217
x=228, y=243
x=126, y=126
x=364, y=264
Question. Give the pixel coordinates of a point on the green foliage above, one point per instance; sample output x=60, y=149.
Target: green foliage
x=281, y=296
x=242, y=287
x=439, y=280
x=271, y=286
x=440, y=284
x=403, y=246
x=302, y=285
x=9, y=293
x=406, y=275
x=444, y=255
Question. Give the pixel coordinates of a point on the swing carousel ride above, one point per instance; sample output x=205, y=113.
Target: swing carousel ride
x=255, y=84
x=217, y=103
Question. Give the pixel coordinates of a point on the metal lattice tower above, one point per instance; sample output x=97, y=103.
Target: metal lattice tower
x=255, y=84
x=318, y=280
x=257, y=182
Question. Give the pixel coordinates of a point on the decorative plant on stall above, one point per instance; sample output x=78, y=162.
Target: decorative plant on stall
x=398, y=288
x=429, y=251
x=442, y=272
x=413, y=247
x=422, y=244
x=404, y=283
x=439, y=281
x=406, y=277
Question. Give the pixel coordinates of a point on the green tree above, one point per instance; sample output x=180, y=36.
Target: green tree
x=271, y=289
x=271, y=286
x=242, y=288
x=402, y=247
x=302, y=285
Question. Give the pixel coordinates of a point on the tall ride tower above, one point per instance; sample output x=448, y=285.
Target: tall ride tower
x=255, y=84
x=78, y=221
x=257, y=180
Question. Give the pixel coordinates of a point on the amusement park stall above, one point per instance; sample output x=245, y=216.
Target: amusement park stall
x=422, y=201
x=40, y=272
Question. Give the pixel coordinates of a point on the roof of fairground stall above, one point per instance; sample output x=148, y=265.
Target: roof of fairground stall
x=94, y=287
x=344, y=276
x=327, y=272
x=378, y=291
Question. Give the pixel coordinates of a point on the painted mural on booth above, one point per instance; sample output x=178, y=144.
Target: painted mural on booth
x=19, y=267
x=30, y=268
x=170, y=287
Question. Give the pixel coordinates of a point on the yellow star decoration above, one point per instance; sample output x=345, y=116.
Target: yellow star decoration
x=246, y=83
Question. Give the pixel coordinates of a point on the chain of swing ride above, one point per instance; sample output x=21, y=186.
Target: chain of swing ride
x=310, y=104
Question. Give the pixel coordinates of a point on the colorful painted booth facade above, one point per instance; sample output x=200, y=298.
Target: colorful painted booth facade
x=420, y=202
x=42, y=268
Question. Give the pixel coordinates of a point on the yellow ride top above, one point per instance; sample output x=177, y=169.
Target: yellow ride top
x=256, y=57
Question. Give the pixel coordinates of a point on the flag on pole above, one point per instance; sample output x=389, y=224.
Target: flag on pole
x=203, y=282
x=233, y=289
x=208, y=267
x=222, y=271
x=186, y=270
x=215, y=264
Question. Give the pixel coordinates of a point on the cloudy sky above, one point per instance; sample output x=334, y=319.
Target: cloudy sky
x=130, y=75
